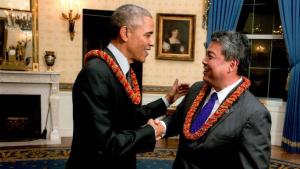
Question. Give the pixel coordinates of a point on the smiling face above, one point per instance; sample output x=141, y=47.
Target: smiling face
x=140, y=40
x=217, y=71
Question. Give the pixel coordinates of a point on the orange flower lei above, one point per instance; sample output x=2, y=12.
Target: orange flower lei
x=134, y=94
x=216, y=116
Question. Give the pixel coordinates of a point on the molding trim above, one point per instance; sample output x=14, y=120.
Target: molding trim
x=156, y=89
x=65, y=86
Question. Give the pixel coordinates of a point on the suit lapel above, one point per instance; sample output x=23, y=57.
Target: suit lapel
x=106, y=50
x=226, y=114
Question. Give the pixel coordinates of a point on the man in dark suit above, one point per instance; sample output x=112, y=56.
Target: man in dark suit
x=109, y=123
x=235, y=133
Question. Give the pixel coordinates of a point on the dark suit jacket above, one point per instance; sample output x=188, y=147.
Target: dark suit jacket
x=240, y=139
x=107, y=125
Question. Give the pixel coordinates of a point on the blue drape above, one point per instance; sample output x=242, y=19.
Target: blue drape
x=223, y=15
x=289, y=13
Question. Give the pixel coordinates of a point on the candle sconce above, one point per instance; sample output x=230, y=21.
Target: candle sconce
x=71, y=20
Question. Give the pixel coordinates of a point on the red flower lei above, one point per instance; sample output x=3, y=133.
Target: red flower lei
x=216, y=116
x=134, y=94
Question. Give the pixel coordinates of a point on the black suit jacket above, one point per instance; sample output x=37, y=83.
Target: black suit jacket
x=239, y=140
x=107, y=125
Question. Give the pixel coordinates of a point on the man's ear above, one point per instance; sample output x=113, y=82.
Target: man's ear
x=234, y=64
x=124, y=33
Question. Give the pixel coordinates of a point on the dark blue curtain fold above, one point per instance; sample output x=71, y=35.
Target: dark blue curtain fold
x=290, y=19
x=223, y=15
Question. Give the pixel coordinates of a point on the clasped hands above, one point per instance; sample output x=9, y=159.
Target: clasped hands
x=159, y=128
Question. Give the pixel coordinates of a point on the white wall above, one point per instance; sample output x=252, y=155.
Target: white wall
x=66, y=114
x=276, y=107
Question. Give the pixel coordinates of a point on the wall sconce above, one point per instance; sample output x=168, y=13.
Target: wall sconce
x=70, y=17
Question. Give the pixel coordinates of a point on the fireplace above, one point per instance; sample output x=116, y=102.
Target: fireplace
x=27, y=97
x=20, y=117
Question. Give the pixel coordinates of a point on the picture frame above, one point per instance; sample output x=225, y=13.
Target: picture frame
x=175, y=37
x=16, y=5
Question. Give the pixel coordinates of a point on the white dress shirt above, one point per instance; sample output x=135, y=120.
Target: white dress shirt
x=121, y=59
x=221, y=95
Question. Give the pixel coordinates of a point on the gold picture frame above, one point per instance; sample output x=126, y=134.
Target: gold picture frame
x=175, y=37
x=19, y=39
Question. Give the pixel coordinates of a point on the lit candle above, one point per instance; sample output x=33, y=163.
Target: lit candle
x=11, y=7
x=78, y=7
x=62, y=3
x=70, y=5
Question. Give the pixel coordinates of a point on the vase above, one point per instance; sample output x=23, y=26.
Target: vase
x=50, y=60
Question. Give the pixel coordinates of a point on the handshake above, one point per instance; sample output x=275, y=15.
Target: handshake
x=159, y=127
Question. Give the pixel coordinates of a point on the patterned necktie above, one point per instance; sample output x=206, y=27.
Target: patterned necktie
x=128, y=77
x=204, y=113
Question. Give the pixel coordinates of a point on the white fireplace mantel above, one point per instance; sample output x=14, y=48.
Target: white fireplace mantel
x=45, y=84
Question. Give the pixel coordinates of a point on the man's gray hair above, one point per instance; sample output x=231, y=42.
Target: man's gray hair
x=128, y=15
x=235, y=46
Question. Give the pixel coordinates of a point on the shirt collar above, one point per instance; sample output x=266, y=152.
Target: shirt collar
x=224, y=92
x=121, y=59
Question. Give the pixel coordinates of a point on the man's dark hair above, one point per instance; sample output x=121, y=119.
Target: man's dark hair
x=235, y=46
x=127, y=15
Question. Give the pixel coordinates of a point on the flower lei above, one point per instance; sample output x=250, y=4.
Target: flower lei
x=216, y=116
x=134, y=94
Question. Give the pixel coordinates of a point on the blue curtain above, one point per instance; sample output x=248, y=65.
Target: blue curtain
x=289, y=13
x=223, y=15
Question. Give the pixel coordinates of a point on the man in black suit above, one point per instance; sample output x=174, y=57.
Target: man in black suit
x=235, y=133
x=109, y=123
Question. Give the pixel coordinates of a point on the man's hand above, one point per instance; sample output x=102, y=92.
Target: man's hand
x=158, y=127
x=177, y=91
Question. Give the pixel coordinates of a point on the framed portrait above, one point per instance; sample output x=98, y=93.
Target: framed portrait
x=175, y=37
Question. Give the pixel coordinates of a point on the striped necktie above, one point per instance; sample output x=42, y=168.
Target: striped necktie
x=128, y=77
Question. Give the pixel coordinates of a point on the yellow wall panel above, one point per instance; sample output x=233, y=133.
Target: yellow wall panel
x=54, y=35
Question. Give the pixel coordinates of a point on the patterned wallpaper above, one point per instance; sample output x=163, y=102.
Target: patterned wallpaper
x=54, y=35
